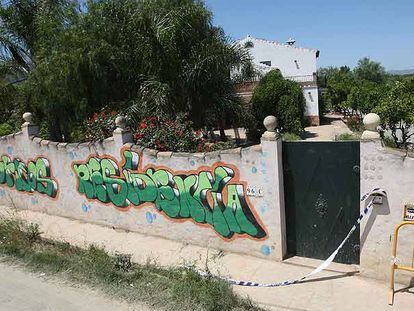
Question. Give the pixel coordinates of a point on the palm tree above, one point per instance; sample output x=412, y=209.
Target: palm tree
x=197, y=66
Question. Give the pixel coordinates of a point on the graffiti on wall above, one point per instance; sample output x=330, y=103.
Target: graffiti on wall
x=212, y=196
x=30, y=177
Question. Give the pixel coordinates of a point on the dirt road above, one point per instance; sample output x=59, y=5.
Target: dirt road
x=21, y=290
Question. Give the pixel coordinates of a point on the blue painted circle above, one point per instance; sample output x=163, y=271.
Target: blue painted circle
x=85, y=207
x=265, y=249
x=254, y=170
x=150, y=218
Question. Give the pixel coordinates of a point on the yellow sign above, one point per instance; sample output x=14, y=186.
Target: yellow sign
x=409, y=212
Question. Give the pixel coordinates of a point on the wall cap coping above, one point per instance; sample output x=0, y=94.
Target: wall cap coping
x=164, y=154
x=181, y=154
x=53, y=144
x=232, y=151
x=212, y=154
x=72, y=146
x=150, y=152
x=37, y=140
x=44, y=142
x=138, y=148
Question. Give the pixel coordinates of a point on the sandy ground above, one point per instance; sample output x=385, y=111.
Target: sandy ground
x=21, y=290
x=331, y=126
x=339, y=288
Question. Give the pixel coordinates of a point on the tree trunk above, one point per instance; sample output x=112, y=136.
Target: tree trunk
x=55, y=131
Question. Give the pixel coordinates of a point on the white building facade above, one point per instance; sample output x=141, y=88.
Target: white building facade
x=295, y=63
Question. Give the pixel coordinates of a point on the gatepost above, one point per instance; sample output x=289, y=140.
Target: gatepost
x=271, y=142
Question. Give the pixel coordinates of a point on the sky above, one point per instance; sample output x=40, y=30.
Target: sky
x=343, y=30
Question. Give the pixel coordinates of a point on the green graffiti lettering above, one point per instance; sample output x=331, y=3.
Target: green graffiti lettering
x=211, y=196
x=33, y=176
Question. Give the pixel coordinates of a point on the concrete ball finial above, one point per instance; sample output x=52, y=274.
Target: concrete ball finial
x=28, y=117
x=270, y=123
x=371, y=122
x=121, y=122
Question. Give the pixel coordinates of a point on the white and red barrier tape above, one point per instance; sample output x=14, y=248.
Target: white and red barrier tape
x=367, y=210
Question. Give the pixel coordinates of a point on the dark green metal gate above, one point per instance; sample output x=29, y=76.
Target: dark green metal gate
x=321, y=198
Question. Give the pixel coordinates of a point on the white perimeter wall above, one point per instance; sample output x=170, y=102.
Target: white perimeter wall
x=256, y=166
x=394, y=172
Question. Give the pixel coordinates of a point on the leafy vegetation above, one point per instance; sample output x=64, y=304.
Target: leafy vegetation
x=180, y=289
x=346, y=137
x=290, y=137
x=366, y=89
x=279, y=97
x=397, y=113
x=140, y=58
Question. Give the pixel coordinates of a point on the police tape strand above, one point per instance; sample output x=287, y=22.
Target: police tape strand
x=367, y=210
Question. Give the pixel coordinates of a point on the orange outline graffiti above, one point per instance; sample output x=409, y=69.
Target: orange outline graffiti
x=52, y=177
x=235, y=180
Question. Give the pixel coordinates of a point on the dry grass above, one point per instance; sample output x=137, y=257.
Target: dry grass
x=161, y=288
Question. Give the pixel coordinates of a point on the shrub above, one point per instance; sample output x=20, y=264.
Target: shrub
x=100, y=126
x=397, y=112
x=5, y=129
x=290, y=137
x=166, y=134
x=354, y=123
x=345, y=137
x=389, y=141
x=279, y=97
x=163, y=133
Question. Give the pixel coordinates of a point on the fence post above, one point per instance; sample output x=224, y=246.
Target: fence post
x=272, y=150
x=29, y=129
x=371, y=123
x=121, y=134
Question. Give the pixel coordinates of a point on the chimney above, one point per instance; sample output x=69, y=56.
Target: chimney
x=291, y=41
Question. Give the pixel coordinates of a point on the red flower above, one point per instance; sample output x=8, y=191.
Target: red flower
x=143, y=126
x=103, y=114
x=153, y=119
x=95, y=116
x=113, y=113
x=199, y=147
x=198, y=132
x=138, y=136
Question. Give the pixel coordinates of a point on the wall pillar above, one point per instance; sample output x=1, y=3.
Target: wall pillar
x=29, y=129
x=122, y=135
x=370, y=153
x=271, y=143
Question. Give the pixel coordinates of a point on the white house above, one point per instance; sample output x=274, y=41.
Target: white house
x=295, y=63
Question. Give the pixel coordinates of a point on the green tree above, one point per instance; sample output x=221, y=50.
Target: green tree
x=147, y=57
x=397, y=112
x=364, y=97
x=370, y=71
x=339, y=84
x=28, y=29
x=279, y=97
